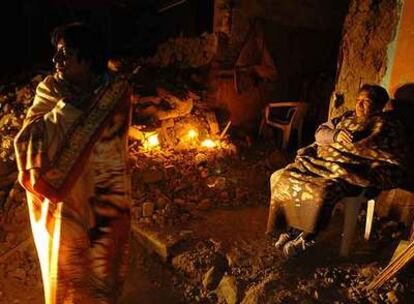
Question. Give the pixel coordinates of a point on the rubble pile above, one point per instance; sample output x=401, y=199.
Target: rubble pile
x=20, y=270
x=18, y=259
x=350, y=281
x=184, y=161
x=386, y=231
x=171, y=186
x=344, y=283
x=179, y=123
x=14, y=103
x=14, y=226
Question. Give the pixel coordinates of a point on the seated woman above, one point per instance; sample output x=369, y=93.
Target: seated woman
x=360, y=149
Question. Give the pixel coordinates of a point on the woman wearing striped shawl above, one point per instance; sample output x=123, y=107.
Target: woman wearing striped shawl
x=72, y=160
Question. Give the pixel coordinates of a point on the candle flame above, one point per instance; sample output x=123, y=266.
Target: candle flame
x=151, y=141
x=208, y=143
x=192, y=134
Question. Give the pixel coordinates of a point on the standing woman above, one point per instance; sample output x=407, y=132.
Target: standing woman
x=72, y=160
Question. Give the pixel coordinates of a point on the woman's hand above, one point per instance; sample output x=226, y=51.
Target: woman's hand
x=343, y=137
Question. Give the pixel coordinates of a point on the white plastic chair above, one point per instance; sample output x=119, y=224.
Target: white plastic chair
x=294, y=119
x=352, y=206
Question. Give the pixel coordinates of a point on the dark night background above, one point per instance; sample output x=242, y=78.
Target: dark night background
x=131, y=27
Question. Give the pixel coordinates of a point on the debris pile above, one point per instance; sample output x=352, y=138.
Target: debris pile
x=387, y=231
x=172, y=186
x=351, y=282
x=344, y=283
x=20, y=270
x=169, y=121
x=14, y=103
x=184, y=161
x=18, y=259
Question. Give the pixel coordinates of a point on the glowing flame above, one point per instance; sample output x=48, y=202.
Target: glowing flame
x=151, y=141
x=192, y=134
x=47, y=246
x=208, y=143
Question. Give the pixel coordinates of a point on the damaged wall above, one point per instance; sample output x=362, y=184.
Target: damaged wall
x=377, y=47
x=369, y=31
x=302, y=39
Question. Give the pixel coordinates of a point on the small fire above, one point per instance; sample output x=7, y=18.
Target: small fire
x=151, y=141
x=208, y=143
x=192, y=134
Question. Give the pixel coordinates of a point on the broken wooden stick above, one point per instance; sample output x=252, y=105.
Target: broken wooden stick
x=225, y=130
x=393, y=267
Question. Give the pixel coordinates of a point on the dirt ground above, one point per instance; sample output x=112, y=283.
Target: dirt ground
x=223, y=255
x=263, y=275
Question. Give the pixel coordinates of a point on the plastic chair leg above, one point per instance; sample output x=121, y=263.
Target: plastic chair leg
x=370, y=217
x=352, y=207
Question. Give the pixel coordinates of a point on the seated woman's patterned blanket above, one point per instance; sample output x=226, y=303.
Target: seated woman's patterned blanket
x=321, y=175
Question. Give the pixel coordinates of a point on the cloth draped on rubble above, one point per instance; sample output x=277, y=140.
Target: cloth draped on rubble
x=73, y=165
x=307, y=190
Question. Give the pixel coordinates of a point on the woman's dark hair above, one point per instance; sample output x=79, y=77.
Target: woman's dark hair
x=88, y=44
x=376, y=93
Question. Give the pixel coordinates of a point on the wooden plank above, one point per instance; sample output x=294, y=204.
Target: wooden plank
x=393, y=267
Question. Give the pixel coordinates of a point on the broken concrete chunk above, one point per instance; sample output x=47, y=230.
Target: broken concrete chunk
x=135, y=133
x=392, y=297
x=147, y=209
x=237, y=257
x=205, y=204
x=179, y=107
x=151, y=176
x=215, y=273
x=229, y=290
x=136, y=212
x=161, y=202
x=211, y=278
x=200, y=159
x=258, y=294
